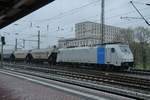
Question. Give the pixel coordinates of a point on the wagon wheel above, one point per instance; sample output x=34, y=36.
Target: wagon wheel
x=50, y=60
x=12, y=59
x=29, y=59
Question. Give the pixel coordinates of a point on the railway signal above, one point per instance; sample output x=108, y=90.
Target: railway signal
x=2, y=44
x=3, y=40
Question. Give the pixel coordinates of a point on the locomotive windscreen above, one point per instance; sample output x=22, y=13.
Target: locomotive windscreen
x=125, y=49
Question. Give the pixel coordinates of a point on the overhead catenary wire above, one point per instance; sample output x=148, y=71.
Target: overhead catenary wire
x=75, y=8
x=59, y=15
x=64, y=26
x=130, y=12
x=130, y=22
x=110, y=17
x=97, y=20
x=140, y=13
x=130, y=17
x=67, y=12
x=95, y=2
x=137, y=2
x=142, y=3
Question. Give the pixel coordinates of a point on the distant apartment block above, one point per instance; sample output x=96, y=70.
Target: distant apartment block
x=89, y=34
x=78, y=42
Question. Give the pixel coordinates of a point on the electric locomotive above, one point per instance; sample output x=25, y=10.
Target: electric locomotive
x=109, y=56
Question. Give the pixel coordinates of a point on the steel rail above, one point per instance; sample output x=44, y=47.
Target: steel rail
x=109, y=78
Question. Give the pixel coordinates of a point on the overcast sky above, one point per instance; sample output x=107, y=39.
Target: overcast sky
x=58, y=18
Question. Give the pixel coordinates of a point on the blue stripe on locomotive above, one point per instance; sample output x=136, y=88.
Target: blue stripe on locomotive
x=101, y=55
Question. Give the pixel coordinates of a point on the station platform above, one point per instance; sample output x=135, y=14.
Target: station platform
x=20, y=87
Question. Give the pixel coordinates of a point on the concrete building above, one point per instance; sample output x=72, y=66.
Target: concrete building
x=78, y=42
x=89, y=34
x=91, y=29
x=87, y=29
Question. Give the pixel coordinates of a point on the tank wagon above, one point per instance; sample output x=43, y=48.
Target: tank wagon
x=7, y=55
x=37, y=55
x=42, y=55
x=110, y=56
x=19, y=55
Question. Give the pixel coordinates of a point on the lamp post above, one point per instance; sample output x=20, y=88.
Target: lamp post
x=38, y=37
x=102, y=26
x=16, y=40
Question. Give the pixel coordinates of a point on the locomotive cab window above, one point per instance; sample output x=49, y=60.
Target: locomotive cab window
x=125, y=49
x=112, y=50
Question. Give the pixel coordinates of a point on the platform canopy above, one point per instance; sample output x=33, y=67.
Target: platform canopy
x=12, y=10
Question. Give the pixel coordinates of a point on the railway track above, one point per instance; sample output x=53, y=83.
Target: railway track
x=128, y=87
x=138, y=84
x=140, y=71
x=102, y=88
x=134, y=71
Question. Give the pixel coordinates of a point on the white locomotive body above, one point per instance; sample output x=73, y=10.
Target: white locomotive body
x=77, y=55
x=119, y=55
x=114, y=55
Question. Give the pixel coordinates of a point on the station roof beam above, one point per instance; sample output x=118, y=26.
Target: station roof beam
x=12, y=10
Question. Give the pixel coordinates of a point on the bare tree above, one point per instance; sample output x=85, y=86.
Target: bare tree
x=127, y=35
x=142, y=35
x=124, y=36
